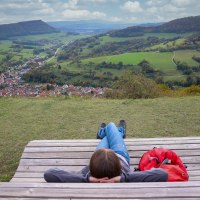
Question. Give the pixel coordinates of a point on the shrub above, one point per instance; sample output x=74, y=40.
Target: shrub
x=193, y=90
x=166, y=90
x=133, y=86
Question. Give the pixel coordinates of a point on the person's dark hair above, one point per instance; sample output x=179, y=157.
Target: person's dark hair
x=105, y=163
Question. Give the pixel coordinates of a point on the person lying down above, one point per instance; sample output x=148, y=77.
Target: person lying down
x=110, y=163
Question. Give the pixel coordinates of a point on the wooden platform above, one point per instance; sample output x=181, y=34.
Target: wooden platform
x=40, y=155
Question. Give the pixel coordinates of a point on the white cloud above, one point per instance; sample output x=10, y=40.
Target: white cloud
x=132, y=19
x=82, y=14
x=139, y=11
x=183, y=3
x=97, y=1
x=45, y=11
x=152, y=10
x=132, y=6
x=72, y=4
x=115, y=19
x=155, y=2
x=172, y=9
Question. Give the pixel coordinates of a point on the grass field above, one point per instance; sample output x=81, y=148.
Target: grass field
x=158, y=60
x=186, y=56
x=162, y=61
x=26, y=119
x=5, y=45
x=60, y=36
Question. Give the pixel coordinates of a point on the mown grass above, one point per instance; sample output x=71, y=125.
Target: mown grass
x=186, y=56
x=26, y=119
x=162, y=61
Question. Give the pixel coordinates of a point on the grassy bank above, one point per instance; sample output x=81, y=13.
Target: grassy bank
x=25, y=119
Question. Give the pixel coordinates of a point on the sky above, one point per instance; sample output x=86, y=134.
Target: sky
x=123, y=11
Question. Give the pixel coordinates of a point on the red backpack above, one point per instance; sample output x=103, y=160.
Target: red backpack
x=167, y=160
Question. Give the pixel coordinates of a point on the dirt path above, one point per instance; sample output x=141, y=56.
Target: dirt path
x=174, y=54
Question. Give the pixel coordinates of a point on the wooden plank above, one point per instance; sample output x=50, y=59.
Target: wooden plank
x=29, y=168
x=41, y=174
x=19, y=198
x=75, y=162
x=95, y=142
x=71, y=155
x=193, y=192
x=29, y=174
x=89, y=154
x=131, y=148
x=102, y=186
x=41, y=179
x=149, y=198
x=126, y=140
x=52, y=162
x=28, y=180
x=44, y=168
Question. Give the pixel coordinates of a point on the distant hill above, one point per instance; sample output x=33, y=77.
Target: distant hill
x=87, y=26
x=182, y=25
x=92, y=26
x=25, y=28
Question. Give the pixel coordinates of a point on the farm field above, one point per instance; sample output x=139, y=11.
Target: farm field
x=186, y=56
x=159, y=60
x=162, y=61
x=62, y=37
x=26, y=119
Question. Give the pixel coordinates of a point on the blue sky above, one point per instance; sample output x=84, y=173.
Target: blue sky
x=127, y=11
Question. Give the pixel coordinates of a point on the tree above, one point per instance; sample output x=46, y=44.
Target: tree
x=134, y=86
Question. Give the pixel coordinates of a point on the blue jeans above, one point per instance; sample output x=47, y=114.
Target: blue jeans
x=112, y=138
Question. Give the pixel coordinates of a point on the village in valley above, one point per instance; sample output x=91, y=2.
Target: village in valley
x=11, y=84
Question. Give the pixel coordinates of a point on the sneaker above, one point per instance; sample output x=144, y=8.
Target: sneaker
x=103, y=125
x=122, y=124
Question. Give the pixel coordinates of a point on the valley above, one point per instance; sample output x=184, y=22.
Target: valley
x=170, y=58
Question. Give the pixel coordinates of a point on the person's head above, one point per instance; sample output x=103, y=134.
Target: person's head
x=105, y=163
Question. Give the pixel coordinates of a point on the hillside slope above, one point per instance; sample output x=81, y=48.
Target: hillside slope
x=25, y=28
x=182, y=25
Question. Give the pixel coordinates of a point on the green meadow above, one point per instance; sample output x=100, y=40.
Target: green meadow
x=26, y=119
x=162, y=61
x=5, y=45
x=158, y=60
x=59, y=36
x=186, y=56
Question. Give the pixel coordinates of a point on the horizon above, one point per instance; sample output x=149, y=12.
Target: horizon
x=86, y=20
x=113, y=11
